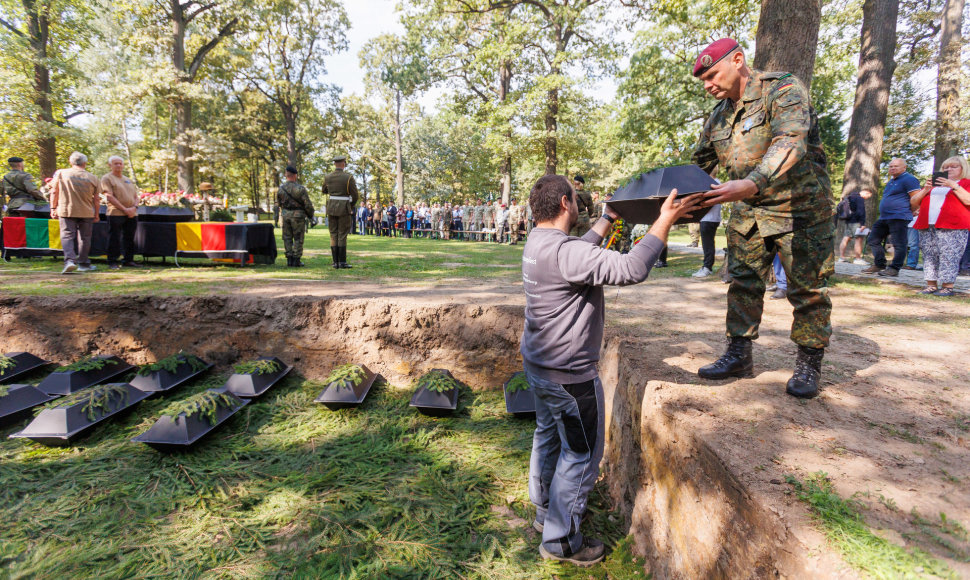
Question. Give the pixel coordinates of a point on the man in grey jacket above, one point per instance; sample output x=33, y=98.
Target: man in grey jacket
x=563, y=278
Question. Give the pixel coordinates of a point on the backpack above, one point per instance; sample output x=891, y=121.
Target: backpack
x=843, y=211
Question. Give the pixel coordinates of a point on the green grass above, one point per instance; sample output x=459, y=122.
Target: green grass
x=287, y=488
x=380, y=260
x=844, y=527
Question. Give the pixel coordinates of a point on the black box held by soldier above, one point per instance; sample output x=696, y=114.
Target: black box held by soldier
x=639, y=201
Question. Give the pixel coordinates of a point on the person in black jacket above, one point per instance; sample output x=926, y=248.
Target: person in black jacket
x=851, y=211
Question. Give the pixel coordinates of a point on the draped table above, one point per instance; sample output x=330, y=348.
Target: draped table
x=247, y=242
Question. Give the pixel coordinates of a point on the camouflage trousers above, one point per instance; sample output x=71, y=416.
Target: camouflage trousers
x=808, y=259
x=582, y=225
x=339, y=226
x=294, y=228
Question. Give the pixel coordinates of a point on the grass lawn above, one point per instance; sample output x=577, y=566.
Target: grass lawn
x=375, y=259
x=287, y=488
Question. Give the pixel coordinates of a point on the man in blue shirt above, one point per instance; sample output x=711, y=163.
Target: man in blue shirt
x=894, y=217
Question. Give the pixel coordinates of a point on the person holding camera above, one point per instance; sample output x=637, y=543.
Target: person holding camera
x=943, y=223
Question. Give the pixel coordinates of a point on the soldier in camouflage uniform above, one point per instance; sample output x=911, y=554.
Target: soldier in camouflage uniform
x=18, y=187
x=584, y=201
x=341, y=207
x=764, y=135
x=295, y=207
x=488, y=219
x=515, y=219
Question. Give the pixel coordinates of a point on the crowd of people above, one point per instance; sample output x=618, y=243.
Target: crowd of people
x=932, y=218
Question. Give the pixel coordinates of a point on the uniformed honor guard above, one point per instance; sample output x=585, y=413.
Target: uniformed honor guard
x=584, y=201
x=342, y=189
x=295, y=208
x=18, y=186
x=764, y=135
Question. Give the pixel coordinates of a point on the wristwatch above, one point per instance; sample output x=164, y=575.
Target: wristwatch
x=612, y=220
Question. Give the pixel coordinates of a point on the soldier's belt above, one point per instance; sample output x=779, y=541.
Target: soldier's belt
x=339, y=198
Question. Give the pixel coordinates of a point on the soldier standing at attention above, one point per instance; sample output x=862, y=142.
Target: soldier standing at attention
x=764, y=135
x=18, y=186
x=295, y=208
x=515, y=218
x=342, y=189
x=585, y=202
x=488, y=219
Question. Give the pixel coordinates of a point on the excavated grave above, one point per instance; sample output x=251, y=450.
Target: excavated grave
x=699, y=483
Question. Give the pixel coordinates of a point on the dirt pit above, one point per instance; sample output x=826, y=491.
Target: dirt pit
x=697, y=470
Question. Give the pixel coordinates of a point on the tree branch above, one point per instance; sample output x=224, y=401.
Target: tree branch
x=200, y=10
x=225, y=31
x=11, y=28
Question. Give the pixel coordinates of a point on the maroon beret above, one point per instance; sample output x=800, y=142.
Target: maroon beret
x=713, y=54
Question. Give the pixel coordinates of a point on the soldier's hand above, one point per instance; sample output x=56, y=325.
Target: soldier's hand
x=734, y=190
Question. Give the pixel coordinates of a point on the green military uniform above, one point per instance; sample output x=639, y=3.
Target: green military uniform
x=18, y=188
x=342, y=189
x=772, y=138
x=585, y=203
x=295, y=207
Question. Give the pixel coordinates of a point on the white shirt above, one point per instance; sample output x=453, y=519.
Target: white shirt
x=713, y=215
x=937, y=197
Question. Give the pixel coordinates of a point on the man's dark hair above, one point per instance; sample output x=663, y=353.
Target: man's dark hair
x=545, y=195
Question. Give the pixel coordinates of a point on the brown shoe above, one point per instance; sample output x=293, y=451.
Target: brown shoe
x=872, y=270
x=591, y=552
x=889, y=272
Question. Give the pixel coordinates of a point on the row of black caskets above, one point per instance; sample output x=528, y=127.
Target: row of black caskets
x=78, y=397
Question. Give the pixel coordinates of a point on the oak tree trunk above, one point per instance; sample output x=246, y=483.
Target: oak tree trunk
x=183, y=149
x=552, y=122
x=38, y=30
x=398, y=154
x=948, y=83
x=868, y=125
x=788, y=37
x=504, y=87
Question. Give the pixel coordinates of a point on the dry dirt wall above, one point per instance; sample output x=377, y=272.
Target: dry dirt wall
x=688, y=513
x=479, y=343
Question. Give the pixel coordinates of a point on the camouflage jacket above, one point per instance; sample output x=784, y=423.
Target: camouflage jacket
x=584, y=201
x=19, y=186
x=340, y=184
x=772, y=138
x=292, y=196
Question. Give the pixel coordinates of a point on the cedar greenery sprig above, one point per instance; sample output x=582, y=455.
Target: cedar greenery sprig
x=6, y=363
x=172, y=363
x=87, y=363
x=346, y=376
x=435, y=381
x=206, y=403
x=518, y=382
x=4, y=389
x=257, y=367
x=97, y=400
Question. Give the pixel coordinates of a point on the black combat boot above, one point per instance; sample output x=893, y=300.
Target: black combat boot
x=289, y=261
x=808, y=369
x=735, y=362
x=343, y=258
x=298, y=262
x=335, y=255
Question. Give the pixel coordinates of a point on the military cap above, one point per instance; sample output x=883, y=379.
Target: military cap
x=205, y=186
x=15, y=160
x=580, y=179
x=340, y=158
x=291, y=169
x=713, y=54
